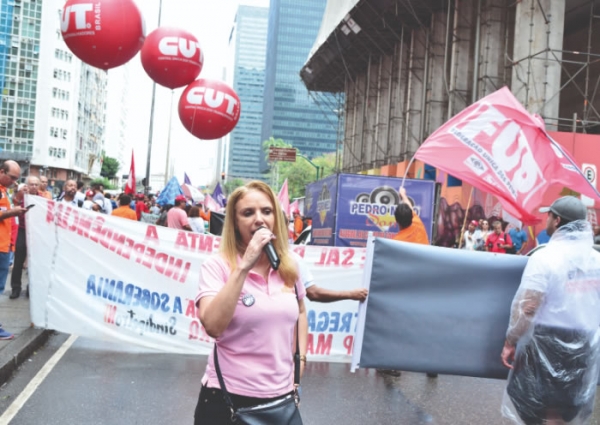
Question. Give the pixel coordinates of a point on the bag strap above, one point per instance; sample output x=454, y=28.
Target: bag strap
x=226, y=395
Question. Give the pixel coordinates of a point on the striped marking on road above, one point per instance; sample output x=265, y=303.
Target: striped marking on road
x=37, y=380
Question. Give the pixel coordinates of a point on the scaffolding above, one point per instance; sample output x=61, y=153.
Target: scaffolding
x=407, y=66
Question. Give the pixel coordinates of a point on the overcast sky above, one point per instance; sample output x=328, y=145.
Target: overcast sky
x=211, y=22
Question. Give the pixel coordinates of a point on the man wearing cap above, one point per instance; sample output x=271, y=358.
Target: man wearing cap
x=553, y=338
x=140, y=205
x=88, y=202
x=472, y=237
x=177, y=217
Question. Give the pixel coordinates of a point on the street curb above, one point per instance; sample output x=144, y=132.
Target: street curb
x=19, y=350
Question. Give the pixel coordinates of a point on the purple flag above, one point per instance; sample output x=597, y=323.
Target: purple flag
x=219, y=196
x=186, y=179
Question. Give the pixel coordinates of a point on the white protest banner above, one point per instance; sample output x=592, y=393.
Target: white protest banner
x=108, y=278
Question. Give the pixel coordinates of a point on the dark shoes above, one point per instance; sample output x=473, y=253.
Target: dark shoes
x=432, y=375
x=389, y=372
x=15, y=294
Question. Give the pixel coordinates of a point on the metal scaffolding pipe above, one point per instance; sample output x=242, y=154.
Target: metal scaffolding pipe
x=474, y=93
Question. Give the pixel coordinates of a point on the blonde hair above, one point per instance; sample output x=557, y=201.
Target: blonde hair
x=232, y=245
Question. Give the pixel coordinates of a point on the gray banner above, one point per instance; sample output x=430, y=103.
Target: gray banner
x=439, y=310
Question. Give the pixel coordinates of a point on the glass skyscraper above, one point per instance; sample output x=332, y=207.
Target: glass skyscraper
x=250, y=38
x=289, y=112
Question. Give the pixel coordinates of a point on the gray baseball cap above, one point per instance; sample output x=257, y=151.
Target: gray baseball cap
x=568, y=207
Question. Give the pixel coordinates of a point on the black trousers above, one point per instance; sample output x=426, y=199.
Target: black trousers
x=552, y=373
x=212, y=409
x=20, y=257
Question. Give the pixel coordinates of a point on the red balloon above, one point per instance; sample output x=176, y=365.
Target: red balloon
x=172, y=57
x=209, y=109
x=103, y=33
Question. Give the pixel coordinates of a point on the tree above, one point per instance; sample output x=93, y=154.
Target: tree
x=104, y=182
x=110, y=167
x=298, y=173
x=232, y=184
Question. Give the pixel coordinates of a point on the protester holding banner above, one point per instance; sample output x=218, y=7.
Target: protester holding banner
x=553, y=339
x=250, y=308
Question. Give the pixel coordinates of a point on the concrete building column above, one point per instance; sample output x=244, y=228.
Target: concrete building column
x=539, y=28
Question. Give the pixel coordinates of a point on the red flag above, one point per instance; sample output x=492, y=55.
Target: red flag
x=284, y=198
x=130, y=186
x=498, y=147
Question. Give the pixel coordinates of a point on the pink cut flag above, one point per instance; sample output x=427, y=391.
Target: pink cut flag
x=498, y=147
x=130, y=185
x=284, y=198
x=210, y=203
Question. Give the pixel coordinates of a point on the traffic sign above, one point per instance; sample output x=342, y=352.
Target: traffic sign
x=282, y=154
x=590, y=173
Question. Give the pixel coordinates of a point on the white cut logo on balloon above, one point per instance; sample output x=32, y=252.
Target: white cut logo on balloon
x=172, y=57
x=209, y=109
x=97, y=34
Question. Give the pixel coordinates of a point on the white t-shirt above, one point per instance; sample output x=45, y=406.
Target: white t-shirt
x=197, y=224
x=79, y=196
x=567, y=272
x=471, y=240
x=306, y=277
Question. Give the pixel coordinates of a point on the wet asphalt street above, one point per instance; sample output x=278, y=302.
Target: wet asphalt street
x=102, y=383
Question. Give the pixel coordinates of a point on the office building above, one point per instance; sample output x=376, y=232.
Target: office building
x=290, y=113
x=249, y=39
x=52, y=115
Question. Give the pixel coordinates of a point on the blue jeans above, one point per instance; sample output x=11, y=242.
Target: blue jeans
x=4, y=265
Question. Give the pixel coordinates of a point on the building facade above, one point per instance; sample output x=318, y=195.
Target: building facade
x=290, y=112
x=249, y=39
x=52, y=116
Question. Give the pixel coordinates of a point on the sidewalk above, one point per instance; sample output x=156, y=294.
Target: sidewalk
x=14, y=317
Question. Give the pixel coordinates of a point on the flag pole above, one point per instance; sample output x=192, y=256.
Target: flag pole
x=462, y=231
x=150, y=131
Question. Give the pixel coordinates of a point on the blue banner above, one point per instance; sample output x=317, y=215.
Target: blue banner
x=367, y=204
x=320, y=205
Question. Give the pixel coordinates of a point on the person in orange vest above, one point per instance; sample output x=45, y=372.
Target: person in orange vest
x=298, y=224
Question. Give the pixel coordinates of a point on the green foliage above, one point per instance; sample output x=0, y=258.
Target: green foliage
x=298, y=173
x=232, y=184
x=110, y=167
x=104, y=182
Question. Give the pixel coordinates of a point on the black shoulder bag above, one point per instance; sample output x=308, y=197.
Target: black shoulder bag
x=279, y=412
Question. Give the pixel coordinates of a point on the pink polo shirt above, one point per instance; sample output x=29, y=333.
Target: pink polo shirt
x=256, y=349
x=177, y=218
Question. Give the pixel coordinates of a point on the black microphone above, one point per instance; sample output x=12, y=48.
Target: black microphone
x=269, y=249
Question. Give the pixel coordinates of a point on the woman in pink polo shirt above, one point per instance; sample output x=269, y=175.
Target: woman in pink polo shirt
x=250, y=309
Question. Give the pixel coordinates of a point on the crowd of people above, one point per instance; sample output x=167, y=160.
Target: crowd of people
x=479, y=237
x=554, y=320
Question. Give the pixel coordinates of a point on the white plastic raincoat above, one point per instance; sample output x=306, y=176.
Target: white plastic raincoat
x=555, y=319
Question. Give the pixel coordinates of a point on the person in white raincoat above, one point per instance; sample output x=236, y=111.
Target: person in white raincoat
x=553, y=338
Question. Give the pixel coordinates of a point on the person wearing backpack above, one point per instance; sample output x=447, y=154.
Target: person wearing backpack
x=498, y=241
